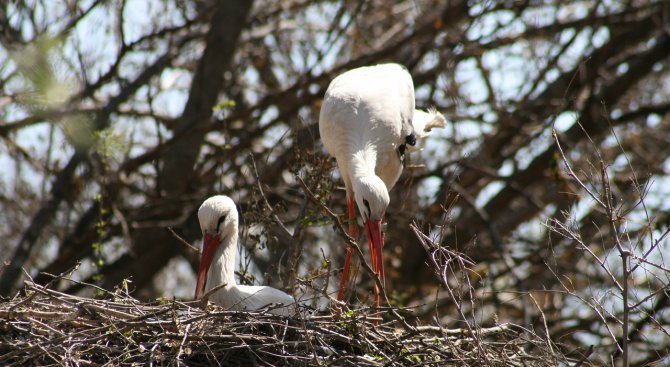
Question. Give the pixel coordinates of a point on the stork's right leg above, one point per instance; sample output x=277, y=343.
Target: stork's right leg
x=353, y=232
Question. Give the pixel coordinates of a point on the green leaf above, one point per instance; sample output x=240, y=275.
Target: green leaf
x=224, y=105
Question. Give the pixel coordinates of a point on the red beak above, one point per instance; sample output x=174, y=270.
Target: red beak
x=376, y=243
x=209, y=246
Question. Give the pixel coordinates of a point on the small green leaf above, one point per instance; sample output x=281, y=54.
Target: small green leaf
x=223, y=105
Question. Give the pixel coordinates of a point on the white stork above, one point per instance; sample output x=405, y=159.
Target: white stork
x=368, y=123
x=219, y=224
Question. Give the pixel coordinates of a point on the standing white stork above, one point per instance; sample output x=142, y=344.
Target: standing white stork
x=367, y=121
x=219, y=224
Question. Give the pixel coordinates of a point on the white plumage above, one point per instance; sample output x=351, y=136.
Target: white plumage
x=219, y=224
x=368, y=123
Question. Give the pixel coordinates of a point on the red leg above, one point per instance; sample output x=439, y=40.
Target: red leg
x=353, y=232
x=345, y=274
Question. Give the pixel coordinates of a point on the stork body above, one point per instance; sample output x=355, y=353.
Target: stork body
x=219, y=224
x=368, y=123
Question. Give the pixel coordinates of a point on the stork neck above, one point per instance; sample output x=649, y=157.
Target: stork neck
x=363, y=162
x=222, y=270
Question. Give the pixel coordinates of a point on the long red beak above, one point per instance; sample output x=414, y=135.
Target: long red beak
x=376, y=243
x=209, y=246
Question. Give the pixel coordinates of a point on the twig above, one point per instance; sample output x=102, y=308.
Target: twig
x=571, y=172
x=544, y=322
x=465, y=332
x=202, y=302
x=265, y=200
x=183, y=341
x=563, y=230
x=585, y=357
x=625, y=254
x=184, y=242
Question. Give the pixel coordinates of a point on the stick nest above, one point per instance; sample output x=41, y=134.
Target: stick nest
x=44, y=327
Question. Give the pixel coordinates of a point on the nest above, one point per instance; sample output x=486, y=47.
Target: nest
x=46, y=327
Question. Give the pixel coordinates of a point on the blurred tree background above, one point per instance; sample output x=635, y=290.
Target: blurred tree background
x=119, y=117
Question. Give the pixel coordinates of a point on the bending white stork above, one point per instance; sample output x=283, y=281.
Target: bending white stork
x=367, y=122
x=219, y=224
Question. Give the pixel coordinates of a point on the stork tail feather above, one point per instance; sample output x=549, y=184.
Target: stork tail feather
x=425, y=121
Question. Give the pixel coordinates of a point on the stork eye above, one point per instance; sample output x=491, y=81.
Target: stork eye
x=367, y=206
x=411, y=139
x=221, y=220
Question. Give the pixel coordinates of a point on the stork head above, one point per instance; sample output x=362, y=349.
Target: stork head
x=218, y=220
x=372, y=198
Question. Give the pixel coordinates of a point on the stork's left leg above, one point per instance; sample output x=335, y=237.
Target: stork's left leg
x=353, y=232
